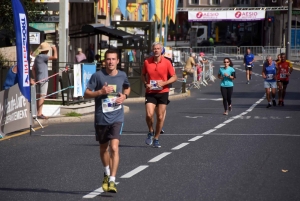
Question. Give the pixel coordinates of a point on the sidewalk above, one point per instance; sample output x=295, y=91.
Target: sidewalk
x=90, y=116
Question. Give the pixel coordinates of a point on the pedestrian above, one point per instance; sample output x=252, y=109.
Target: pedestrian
x=248, y=62
x=110, y=88
x=189, y=65
x=11, y=77
x=80, y=56
x=40, y=75
x=269, y=74
x=155, y=74
x=278, y=58
x=285, y=69
x=227, y=75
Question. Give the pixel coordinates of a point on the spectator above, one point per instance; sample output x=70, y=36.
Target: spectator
x=11, y=77
x=80, y=56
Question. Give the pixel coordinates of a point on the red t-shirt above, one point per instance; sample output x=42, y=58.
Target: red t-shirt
x=283, y=68
x=156, y=72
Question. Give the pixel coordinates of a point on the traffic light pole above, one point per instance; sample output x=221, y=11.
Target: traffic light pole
x=289, y=30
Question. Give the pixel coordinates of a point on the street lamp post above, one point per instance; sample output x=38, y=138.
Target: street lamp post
x=289, y=30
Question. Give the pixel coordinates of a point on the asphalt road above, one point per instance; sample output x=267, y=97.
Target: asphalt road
x=251, y=154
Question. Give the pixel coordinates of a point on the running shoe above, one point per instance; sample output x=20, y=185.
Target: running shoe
x=230, y=108
x=269, y=105
x=149, y=139
x=225, y=113
x=274, y=102
x=156, y=143
x=279, y=103
x=248, y=82
x=112, y=187
x=162, y=131
x=105, y=183
x=282, y=103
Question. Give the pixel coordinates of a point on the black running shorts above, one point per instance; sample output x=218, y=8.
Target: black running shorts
x=157, y=98
x=283, y=82
x=105, y=133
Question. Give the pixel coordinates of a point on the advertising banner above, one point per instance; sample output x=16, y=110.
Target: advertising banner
x=246, y=15
x=233, y=15
x=87, y=71
x=14, y=111
x=77, y=80
x=206, y=15
x=22, y=45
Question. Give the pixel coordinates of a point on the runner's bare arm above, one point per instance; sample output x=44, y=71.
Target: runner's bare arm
x=104, y=91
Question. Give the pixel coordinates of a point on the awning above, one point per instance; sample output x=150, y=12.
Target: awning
x=113, y=33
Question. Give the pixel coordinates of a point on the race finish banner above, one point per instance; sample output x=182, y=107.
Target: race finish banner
x=87, y=71
x=14, y=111
x=22, y=40
x=233, y=15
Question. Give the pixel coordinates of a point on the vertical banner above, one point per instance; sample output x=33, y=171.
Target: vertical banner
x=77, y=80
x=22, y=40
x=14, y=111
x=87, y=71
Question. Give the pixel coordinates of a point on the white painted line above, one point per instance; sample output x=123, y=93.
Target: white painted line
x=160, y=156
x=220, y=125
x=96, y=192
x=180, y=146
x=244, y=113
x=195, y=138
x=228, y=121
x=236, y=117
x=209, y=131
x=134, y=171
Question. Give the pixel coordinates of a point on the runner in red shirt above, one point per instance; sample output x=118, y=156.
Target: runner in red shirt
x=155, y=77
x=285, y=69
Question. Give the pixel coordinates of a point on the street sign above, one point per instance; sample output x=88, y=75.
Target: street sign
x=34, y=37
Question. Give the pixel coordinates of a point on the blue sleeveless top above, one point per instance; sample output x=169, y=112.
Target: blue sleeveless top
x=270, y=72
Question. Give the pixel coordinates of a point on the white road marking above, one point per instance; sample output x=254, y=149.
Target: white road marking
x=209, y=131
x=96, y=192
x=180, y=146
x=220, y=125
x=195, y=117
x=195, y=138
x=160, y=156
x=244, y=113
x=228, y=121
x=134, y=171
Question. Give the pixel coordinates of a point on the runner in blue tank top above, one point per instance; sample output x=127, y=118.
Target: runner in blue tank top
x=248, y=62
x=269, y=74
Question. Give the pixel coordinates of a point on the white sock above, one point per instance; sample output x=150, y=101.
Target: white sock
x=112, y=179
x=107, y=170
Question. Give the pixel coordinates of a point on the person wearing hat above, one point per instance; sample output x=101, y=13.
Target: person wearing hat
x=40, y=73
x=80, y=56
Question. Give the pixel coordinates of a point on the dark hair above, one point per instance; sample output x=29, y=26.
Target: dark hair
x=230, y=62
x=282, y=54
x=111, y=51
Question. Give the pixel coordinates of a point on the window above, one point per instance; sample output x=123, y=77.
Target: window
x=194, y=2
x=214, y=2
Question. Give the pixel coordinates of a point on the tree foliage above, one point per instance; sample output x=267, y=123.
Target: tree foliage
x=34, y=11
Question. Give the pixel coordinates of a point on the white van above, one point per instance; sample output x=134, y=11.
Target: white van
x=201, y=32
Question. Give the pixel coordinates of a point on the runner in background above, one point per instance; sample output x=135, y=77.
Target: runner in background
x=269, y=74
x=248, y=62
x=285, y=69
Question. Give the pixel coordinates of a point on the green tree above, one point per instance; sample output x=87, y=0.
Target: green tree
x=34, y=11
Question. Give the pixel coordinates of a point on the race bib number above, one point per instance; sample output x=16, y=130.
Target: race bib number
x=249, y=66
x=154, y=85
x=110, y=105
x=270, y=76
x=282, y=75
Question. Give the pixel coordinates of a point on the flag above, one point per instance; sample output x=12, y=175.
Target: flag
x=158, y=10
x=170, y=10
x=22, y=45
x=103, y=7
x=151, y=9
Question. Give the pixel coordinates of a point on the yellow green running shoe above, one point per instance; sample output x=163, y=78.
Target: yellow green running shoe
x=105, y=183
x=112, y=187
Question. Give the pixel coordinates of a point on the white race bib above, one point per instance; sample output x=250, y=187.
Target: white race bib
x=270, y=76
x=154, y=86
x=282, y=75
x=249, y=66
x=110, y=105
